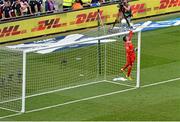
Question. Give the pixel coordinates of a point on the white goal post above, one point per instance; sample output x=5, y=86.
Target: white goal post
x=48, y=69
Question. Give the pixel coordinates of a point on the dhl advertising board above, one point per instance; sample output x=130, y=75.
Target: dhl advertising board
x=143, y=8
x=55, y=23
x=62, y=22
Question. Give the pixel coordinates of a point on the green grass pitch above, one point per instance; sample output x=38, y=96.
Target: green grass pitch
x=160, y=61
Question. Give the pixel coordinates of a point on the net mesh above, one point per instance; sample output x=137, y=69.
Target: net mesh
x=77, y=64
x=11, y=62
x=62, y=68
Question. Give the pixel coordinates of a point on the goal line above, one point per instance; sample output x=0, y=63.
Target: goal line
x=62, y=89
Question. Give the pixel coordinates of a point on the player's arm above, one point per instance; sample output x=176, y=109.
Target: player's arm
x=130, y=34
x=128, y=8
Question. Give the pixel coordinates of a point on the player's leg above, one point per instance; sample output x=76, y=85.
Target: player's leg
x=128, y=60
x=129, y=70
x=128, y=75
x=124, y=68
x=131, y=62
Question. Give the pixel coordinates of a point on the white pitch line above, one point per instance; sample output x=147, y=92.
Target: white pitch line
x=162, y=82
x=63, y=89
x=57, y=90
x=8, y=109
x=119, y=83
x=11, y=115
x=70, y=102
x=80, y=100
x=90, y=98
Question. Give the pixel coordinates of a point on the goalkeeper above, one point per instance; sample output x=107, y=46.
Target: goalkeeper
x=130, y=54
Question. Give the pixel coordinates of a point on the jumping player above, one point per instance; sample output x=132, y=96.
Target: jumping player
x=130, y=54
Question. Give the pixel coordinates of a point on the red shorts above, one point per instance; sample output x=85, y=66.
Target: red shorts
x=130, y=59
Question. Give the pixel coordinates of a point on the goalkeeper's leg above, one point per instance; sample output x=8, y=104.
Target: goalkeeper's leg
x=128, y=61
x=124, y=68
x=129, y=70
x=131, y=62
x=129, y=65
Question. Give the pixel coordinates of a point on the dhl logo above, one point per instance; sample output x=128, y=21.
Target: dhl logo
x=48, y=24
x=169, y=3
x=56, y=23
x=164, y=4
x=92, y=16
x=138, y=8
x=11, y=31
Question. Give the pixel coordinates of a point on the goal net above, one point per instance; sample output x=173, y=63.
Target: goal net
x=27, y=73
x=11, y=66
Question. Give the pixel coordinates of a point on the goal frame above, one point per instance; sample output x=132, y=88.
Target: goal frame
x=138, y=31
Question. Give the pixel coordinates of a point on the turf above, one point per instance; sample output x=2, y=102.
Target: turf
x=160, y=61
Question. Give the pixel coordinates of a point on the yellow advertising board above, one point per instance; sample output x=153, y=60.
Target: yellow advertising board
x=62, y=22
x=143, y=8
x=55, y=23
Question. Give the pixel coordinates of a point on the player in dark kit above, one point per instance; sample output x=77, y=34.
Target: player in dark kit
x=130, y=54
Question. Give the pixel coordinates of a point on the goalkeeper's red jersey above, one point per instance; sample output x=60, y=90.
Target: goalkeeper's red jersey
x=130, y=53
x=129, y=49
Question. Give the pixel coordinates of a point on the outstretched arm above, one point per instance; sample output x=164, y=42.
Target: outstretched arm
x=130, y=34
